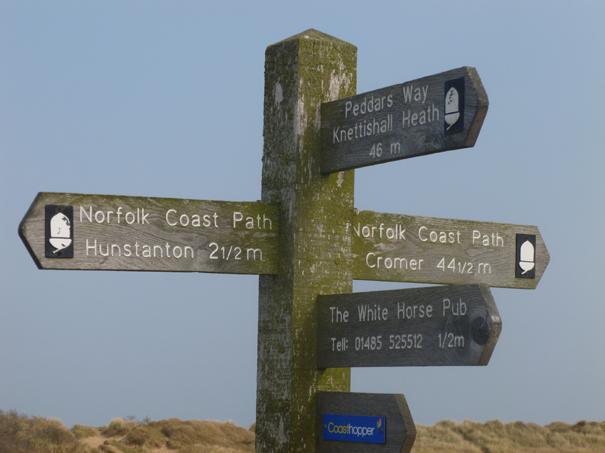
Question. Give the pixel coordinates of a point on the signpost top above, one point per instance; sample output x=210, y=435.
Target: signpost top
x=436, y=113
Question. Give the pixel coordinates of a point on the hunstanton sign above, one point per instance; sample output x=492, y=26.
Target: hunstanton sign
x=75, y=231
x=308, y=243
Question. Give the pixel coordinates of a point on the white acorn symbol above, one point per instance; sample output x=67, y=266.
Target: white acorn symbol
x=452, y=110
x=60, y=232
x=527, y=254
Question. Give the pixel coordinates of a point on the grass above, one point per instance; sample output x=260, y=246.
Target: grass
x=498, y=437
x=22, y=434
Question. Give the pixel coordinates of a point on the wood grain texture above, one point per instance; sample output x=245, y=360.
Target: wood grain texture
x=400, y=428
x=150, y=243
x=436, y=326
x=413, y=126
x=412, y=256
x=301, y=73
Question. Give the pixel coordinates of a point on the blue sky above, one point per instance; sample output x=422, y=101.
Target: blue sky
x=162, y=98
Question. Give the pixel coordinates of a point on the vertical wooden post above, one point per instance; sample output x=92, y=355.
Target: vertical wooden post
x=301, y=72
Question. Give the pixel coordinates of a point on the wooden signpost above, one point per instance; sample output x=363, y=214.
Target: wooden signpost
x=437, y=113
x=441, y=325
x=306, y=240
x=403, y=248
x=100, y=232
x=301, y=72
x=363, y=423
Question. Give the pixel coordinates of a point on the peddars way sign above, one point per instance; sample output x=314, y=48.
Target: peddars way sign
x=436, y=113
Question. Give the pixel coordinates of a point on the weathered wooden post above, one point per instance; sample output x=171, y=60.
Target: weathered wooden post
x=301, y=72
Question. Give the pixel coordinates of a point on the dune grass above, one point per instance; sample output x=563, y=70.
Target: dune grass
x=22, y=434
x=498, y=437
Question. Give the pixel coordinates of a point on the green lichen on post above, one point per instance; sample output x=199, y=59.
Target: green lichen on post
x=315, y=246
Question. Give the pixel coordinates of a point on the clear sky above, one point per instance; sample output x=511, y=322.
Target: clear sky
x=165, y=98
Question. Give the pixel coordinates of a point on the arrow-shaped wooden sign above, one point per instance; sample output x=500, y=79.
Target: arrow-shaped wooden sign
x=405, y=248
x=436, y=113
x=364, y=423
x=102, y=232
x=440, y=325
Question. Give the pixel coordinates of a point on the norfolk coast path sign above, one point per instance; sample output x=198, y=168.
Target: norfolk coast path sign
x=363, y=423
x=403, y=248
x=103, y=232
x=441, y=325
x=436, y=113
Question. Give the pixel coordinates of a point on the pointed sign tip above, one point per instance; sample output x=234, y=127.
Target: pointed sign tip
x=482, y=105
x=543, y=253
x=493, y=324
x=21, y=231
x=408, y=421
